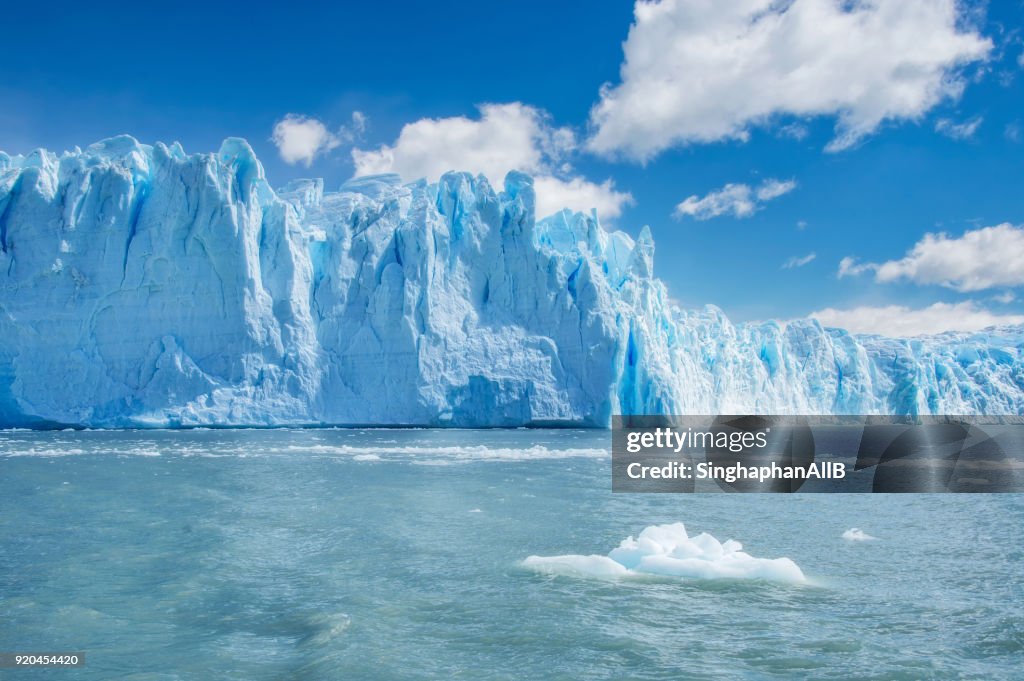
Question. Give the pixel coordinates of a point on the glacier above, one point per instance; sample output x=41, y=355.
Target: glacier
x=147, y=287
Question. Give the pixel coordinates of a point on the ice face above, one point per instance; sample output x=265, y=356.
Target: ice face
x=147, y=286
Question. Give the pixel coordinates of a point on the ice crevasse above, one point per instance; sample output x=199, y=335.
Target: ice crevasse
x=143, y=286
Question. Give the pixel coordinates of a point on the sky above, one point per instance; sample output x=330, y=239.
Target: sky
x=859, y=161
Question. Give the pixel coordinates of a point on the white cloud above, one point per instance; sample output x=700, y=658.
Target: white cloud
x=980, y=259
x=849, y=267
x=1012, y=131
x=706, y=70
x=1006, y=297
x=795, y=261
x=795, y=131
x=358, y=126
x=958, y=131
x=773, y=189
x=300, y=139
x=554, y=194
x=505, y=137
x=739, y=200
x=901, y=322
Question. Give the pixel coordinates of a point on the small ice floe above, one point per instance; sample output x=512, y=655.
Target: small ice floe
x=857, y=534
x=668, y=551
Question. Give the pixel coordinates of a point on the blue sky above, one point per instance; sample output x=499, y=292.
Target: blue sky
x=923, y=97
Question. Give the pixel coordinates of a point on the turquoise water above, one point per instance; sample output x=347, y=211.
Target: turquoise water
x=396, y=555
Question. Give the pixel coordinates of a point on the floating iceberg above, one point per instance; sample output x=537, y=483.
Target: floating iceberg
x=144, y=286
x=667, y=551
x=857, y=534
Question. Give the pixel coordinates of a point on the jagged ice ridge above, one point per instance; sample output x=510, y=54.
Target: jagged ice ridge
x=143, y=286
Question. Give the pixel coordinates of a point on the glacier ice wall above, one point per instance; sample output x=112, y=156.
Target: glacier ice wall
x=145, y=286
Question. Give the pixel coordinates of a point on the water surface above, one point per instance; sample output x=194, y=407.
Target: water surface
x=395, y=554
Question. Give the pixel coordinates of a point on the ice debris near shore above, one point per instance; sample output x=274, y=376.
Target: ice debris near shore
x=667, y=551
x=143, y=286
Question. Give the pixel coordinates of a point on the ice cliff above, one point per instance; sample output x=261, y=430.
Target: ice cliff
x=145, y=286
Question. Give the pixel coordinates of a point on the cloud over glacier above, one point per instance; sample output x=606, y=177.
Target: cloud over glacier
x=505, y=137
x=300, y=139
x=979, y=259
x=705, y=71
x=904, y=321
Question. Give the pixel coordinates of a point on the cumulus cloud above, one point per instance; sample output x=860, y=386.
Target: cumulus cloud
x=958, y=131
x=705, y=71
x=300, y=139
x=983, y=258
x=901, y=322
x=504, y=137
x=738, y=200
x=795, y=261
x=576, y=193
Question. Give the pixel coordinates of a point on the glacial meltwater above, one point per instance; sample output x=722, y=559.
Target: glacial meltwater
x=427, y=554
